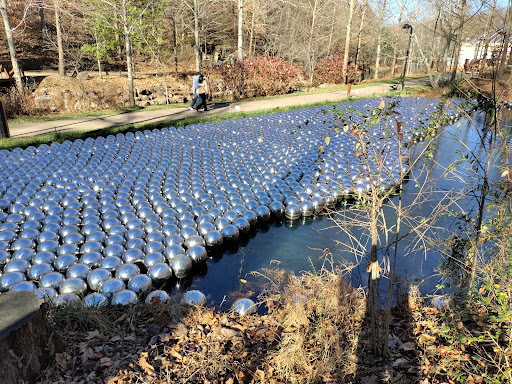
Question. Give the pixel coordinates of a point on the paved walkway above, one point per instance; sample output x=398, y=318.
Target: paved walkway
x=114, y=120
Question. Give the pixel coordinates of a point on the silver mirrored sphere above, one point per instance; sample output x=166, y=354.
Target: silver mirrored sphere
x=125, y=297
x=157, y=297
x=140, y=283
x=244, y=307
x=95, y=300
x=160, y=272
x=194, y=298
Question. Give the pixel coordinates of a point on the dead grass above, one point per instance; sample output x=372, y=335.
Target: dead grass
x=309, y=335
x=321, y=317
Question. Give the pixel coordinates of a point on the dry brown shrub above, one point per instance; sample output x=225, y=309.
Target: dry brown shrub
x=18, y=104
x=321, y=316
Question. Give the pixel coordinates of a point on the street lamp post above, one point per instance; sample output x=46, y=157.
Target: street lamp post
x=407, y=26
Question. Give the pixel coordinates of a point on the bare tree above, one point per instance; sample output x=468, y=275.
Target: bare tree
x=240, y=29
x=347, y=37
x=506, y=40
x=363, y=9
x=459, y=40
x=379, y=39
x=60, y=46
x=10, y=41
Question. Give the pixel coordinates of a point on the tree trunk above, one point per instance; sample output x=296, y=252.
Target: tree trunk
x=331, y=34
x=99, y=69
x=117, y=37
x=373, y=280
x=506, y=40
x=395, y=49
x=129, y=54
x=251, y=37
x=175, y=45
x=196, y=35
x=12, y=48
x=393, y=64
x=42, y=20
x=310, y=44
x=458, y=42
x=60, y=47
x=347, y=39
x=361, y=25
x=240, y=30
x=379, y=39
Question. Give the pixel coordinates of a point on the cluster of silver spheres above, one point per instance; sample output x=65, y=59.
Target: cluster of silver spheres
x=114, y=217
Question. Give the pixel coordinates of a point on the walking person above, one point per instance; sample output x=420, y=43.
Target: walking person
x=195, y=86
x=203, y=93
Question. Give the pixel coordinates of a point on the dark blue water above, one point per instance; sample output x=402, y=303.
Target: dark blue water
x=308, y=245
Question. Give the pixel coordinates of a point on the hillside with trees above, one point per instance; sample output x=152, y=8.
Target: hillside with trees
x=254, y=46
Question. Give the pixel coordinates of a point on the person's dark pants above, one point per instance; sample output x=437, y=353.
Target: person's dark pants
x=202, y=104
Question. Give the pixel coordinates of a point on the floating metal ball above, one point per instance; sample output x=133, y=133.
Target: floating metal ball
x=244, y=307
x=65, y=299
x=174, y=250
x=140, y=283
x=112, y=286
x=194, y=298
x=160, y=273
x=197, y=253
x=251, y=217
x=23, y=243
x=125, y=297
x=292, y=212
x=181, y=265
x=73, y=285
x=95, y=300
x=157, y=296
x=206, y=227
x=52, y=280
x=6, y=256
x=9, y=279
x=97, y=277
x=92, y=259
x=111, y=263
x=46, y=293
x=135, y=244
x=155, y=236
x=17, y=265
x=64, y=262
x=133, y=256
x=153, y=258
x=24, y=286
x=307, y=208
x=214, y=239
x=68, y=249
x=44, y=257
x=126, y=271
x=231, y=233
x=78, y=270
x=193, y=241
x=243, y=225
x=37, y=271
x=154, y=246
x=115, y=250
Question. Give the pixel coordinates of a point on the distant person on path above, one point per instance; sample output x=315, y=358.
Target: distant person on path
x=203, y=93
x=195, y=90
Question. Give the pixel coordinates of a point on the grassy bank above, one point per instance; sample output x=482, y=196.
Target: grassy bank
x=301, y=92
x=23, y=142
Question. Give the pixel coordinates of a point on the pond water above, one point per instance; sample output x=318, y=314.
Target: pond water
x=300, y=245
